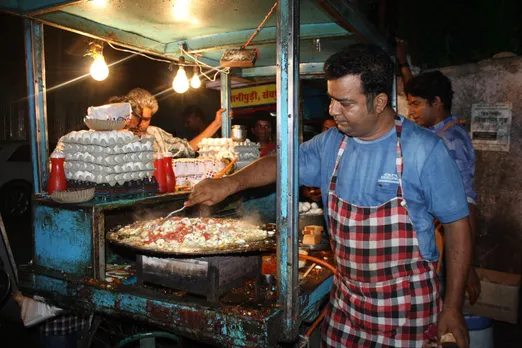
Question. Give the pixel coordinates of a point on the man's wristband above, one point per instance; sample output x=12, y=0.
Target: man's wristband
x=404, y=65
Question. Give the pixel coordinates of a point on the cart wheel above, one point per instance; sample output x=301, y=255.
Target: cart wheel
x=147, y=339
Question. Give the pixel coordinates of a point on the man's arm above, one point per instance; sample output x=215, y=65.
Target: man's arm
x=401, y=53
x=209, y=131
x=458, y=261
x=211, y=191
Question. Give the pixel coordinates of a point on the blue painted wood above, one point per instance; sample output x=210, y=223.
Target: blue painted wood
x=287, y=79
x=63, y=240
x=226, y=326
x=226, y=122
x=35, y=67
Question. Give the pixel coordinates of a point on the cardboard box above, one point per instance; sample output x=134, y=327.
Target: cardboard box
x=499, y=296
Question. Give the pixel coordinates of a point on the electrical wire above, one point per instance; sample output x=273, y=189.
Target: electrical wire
x=139, y=53
x=258, y=29
x=198, y=63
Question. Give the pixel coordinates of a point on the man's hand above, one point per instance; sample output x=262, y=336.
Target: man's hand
x=452, y=321
x=401, y=51
x=473, y=286
x=211, y=191
x=219, y=115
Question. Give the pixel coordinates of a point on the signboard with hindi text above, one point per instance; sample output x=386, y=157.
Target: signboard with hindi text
x=254, y=96
x=491, y=126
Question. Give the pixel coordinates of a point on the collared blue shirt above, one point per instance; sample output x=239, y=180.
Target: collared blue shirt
x=368, y=176
x=461, y=150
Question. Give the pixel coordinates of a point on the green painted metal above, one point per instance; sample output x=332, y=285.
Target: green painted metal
x=151, y=26
x=266, y=35
x=39, y=6
x=96, y=30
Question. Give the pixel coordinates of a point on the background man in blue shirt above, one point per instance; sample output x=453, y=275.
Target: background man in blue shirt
x=430, y=98
x=358, y=164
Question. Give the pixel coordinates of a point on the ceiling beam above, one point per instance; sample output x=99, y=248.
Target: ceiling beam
x=265, y=36
x=266, y=71
x=347, y=16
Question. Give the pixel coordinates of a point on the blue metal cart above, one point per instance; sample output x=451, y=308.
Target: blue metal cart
x=69, y=264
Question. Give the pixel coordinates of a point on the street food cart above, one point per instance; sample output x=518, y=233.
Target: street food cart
x=71, y=255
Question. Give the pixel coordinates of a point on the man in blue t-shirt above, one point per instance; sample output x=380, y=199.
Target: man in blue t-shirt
x=430, y=98
x=380, y=175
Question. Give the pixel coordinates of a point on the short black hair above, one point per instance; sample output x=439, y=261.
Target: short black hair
x=193, y=110
x=262, y=116
x=430, y=85
x=370, y=62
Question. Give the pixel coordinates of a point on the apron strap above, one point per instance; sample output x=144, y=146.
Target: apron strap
x=398, y=155
x=333, y=180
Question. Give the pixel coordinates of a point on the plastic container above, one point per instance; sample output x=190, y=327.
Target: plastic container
x=159, y=173
x=169, y=172
x=57, y=180
x=480, y=331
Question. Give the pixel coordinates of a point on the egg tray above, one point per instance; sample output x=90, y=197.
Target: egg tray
x=129, y=190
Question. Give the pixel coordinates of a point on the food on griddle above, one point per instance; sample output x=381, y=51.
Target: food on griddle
x=182, y=234
x=311, y=239
x=313, y=229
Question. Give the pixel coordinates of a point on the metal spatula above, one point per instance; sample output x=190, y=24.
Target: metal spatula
x=174, y=212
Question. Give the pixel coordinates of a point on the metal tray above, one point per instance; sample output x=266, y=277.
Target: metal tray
x=257, y=246
x=267, y=244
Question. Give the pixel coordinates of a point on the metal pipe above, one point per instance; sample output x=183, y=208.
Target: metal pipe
x=226, y=123
x=35, y=68
x=287, y=78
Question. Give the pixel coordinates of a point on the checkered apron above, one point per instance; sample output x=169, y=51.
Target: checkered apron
x=384, y=294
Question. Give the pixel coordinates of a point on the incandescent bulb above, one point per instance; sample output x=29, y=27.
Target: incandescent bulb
x=180, y=83
x=99, y=3
x=195, y=82
x=181, y=9
x=99, y=69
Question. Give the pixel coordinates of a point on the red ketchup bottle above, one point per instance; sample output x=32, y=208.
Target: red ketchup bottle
x=159, y=173
x=57, y=181
x=169, y=172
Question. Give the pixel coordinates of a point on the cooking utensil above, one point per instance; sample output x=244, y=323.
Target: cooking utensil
x=174, y=212
x=225, y=170
x=239, y=132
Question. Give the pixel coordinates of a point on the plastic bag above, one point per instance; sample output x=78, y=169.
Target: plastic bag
x=34, y=310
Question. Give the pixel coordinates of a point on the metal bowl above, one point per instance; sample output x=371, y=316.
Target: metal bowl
x=239, y=133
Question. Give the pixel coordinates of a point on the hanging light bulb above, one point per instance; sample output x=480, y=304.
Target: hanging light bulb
x=99, y=69
x=195, y=82
x=181, y=82
x=99, y=3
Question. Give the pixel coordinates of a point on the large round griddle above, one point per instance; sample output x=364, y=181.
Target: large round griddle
x=266, y=244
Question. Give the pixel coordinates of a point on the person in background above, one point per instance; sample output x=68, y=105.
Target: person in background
x=328, y=123
x=430, y=97
x=194, y=119
x=314, y=193
x=144, y=106
x=383, y=180
x=262, y=131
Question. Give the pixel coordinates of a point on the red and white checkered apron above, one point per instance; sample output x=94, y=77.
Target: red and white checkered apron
x=384, y=294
